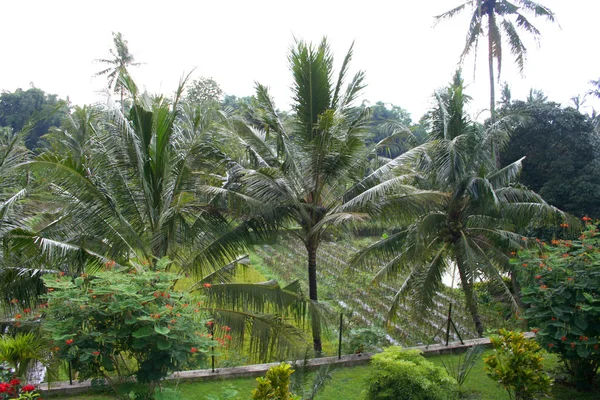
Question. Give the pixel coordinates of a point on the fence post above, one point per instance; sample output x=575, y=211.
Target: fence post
x=212, y=334
x=70, y=374
x=340, y=338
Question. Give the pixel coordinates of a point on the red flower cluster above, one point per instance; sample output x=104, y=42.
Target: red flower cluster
x=69, y=341
x=207, y=285
x=586, y=219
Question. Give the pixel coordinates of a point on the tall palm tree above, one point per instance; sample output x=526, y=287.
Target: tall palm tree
x=296, y=174
x=473, y=228
x=121, y=60
x=503, y=18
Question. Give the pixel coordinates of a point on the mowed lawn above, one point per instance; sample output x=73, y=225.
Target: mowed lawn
x=350, y=383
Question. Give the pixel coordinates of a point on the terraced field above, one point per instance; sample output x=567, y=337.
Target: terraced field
x=350, y=290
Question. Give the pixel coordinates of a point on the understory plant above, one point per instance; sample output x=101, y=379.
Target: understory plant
x=516, y=365
x=561, y=287
x=399, y=374
x=460, y=367
x=125, y=324
x=275, y=385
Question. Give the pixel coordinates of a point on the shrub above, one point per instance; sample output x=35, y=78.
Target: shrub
x=561, y=286
x=125, y=322
x=516, y=364
x=405, y=374
x=275, y=386
x=361, y=340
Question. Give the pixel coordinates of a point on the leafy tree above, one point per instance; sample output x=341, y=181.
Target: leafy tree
x=471, y=228
x=204, y=91
x=297, y=171
x=562, y=151
x=31, y=110
x=121, y=60
x=503, y=18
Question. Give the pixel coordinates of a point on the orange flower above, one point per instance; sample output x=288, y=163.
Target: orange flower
x=51, y=289
x=207, y=285
x=18, y=316
x=543, y=287
x=524, y=264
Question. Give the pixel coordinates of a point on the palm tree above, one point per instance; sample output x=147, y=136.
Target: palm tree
x=473, y=229
x=121, y=60
x=503, y=18
x=297, y=171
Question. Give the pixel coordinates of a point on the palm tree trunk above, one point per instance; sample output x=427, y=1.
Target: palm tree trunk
x=491, y=68
x=311, y=248
x=471, y=301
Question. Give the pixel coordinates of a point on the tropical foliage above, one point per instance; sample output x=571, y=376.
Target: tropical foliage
x=472, y=229
x=560, y=287
x=504, y=18
x=516, y=365
x=295, y=173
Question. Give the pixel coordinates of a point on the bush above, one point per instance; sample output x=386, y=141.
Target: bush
x=561, y=286
x=406, y=375
x=517, y=365
x=275, y=386
x=361, y=340
x=125, y=323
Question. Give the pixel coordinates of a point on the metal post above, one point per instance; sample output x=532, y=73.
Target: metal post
x=340, y=339
x=212, y=333
x=70, y=374
x=449, y=321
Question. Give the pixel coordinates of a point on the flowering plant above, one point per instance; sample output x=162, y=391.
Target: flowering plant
x=125, y=322
x=14, y=390
x=561, y=286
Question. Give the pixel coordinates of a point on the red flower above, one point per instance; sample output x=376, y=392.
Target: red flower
x=209, y=323
x=69, y=341
x=226, y=328
x=194, y=350
x=18, y=316
x=550, y=345
x=207, y=285
x=524, y=264
x=228, y=337
x=535, y=330
x=573, y=345
x=28, y=388
x=96, y=353
x=15, y=382
x=586, y=218
x=538, y=277
x=27, y=310
x=543, y=287
x=564, y=338
x=553, y=319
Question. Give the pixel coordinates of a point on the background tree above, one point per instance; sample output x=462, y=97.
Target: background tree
x=41, y=110
x=121, y=60
x=203, y=91
x=563, y=155
x=503, y=18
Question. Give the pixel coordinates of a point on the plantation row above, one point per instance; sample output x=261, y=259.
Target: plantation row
x=351, y=290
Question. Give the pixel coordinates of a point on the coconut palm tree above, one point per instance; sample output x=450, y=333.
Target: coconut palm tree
x=305, y=174
x=121, y=60
x=473, y=228
x=503, y=18
x=296, y=174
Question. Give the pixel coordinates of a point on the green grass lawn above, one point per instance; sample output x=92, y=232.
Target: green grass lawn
x=349, y=383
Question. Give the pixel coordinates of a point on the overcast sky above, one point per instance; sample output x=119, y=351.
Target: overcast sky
x=52, y=45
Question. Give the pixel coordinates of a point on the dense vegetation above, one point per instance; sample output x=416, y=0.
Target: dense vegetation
x=126, y=227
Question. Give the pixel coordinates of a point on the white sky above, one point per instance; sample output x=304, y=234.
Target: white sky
x=52, y=44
